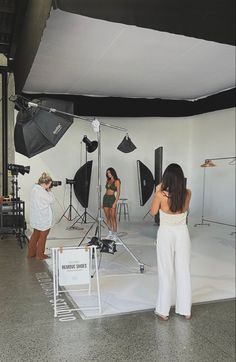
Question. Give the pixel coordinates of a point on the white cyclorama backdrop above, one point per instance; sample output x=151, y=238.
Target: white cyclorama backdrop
x=187, y=141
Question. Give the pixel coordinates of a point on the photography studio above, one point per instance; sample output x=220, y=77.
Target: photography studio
x=117, y=180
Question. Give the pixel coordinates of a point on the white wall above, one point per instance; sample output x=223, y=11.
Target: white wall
x=187, y=141
x=213, y=136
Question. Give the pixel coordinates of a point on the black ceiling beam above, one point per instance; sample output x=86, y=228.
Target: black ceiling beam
x=141, y=107
x=19, y=17
x=203, y=19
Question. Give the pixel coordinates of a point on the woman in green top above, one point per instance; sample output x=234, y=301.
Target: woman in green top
x=110, y=200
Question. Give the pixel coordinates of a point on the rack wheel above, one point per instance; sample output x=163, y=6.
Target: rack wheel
x=142, y=269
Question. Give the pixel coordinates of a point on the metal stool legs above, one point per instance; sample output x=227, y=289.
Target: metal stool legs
x=123, y=209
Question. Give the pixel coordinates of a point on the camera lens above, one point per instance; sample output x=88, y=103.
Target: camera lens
x=55, y=183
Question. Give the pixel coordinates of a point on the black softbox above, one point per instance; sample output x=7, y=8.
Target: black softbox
x=146, y=183
x=82, y=183
x=37, y=130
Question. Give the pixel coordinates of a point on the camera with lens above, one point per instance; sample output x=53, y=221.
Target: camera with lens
x=55, y=183
x=15, y=169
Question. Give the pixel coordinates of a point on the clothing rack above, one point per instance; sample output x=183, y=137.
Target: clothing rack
x=233, y=158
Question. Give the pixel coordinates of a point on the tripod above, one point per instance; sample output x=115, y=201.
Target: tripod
x=83, y=218
x=70, y=207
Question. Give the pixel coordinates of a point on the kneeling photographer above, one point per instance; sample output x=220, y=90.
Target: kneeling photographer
x=41, y=215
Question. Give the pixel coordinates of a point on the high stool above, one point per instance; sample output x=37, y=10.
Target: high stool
x=123, y=209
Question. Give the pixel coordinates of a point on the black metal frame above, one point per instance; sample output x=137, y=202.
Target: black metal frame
x=15, y=210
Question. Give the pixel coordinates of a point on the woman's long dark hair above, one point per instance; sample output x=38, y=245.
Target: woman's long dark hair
x=174, y=183
x=113, y=173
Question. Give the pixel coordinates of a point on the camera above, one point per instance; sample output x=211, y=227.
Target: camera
x=15, y=169
x=55, y=183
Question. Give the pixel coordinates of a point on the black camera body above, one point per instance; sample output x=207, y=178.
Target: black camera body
x=55, y=183
x=15, y=169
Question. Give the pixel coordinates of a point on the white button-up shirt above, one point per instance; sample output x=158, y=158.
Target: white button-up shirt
x=40, y=208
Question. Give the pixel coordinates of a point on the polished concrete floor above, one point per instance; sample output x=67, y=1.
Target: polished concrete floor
x=124, y=289
x=29, y=332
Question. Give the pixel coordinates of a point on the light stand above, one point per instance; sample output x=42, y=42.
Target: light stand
x=90, y=147
x=18, y=211
x=70, y=206
x=209, y=163
x=96, y=127
x=203, y=199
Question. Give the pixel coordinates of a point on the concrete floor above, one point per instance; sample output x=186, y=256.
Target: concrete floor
x=29, y=332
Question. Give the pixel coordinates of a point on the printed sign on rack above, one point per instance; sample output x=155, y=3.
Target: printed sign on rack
x=74, y=267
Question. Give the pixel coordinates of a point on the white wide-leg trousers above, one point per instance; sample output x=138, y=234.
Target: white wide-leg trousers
x=173, y=260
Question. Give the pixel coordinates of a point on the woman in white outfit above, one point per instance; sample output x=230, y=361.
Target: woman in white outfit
x=173, y=243
x=40, y=216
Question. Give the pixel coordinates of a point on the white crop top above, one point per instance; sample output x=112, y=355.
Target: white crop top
x=172, y=219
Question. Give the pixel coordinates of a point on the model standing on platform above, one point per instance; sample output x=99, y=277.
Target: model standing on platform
x=173, y=243
x=40, y=216
x=110, y=200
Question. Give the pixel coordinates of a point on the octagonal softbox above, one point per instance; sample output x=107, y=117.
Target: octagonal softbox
x=37, y=130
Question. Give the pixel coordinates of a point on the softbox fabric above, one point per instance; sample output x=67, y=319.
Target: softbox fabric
x=82, y=183
x=145, y=182
x=158, y=165
x=126, y=145
x=37, y=130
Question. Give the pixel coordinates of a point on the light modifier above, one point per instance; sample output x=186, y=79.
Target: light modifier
x=126, y=146
x=91, y=146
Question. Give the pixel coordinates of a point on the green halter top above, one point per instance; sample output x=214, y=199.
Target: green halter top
x=111, y=186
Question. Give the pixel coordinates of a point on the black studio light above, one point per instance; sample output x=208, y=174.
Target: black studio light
x=15, y=169
x=126, y=146
x=91, y=146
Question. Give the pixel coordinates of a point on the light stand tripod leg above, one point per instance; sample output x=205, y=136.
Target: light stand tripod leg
x=141, y=265
x=86, y=233
x=69, y=209
x=84, y=219
x=96, y=231
x=148, y=213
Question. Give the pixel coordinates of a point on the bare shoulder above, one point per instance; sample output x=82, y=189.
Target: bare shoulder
x=117, y=182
